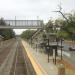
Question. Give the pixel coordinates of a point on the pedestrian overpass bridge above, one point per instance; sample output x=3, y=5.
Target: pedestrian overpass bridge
x=22, y=24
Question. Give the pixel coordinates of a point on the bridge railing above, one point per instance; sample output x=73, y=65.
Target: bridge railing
x=23, y=22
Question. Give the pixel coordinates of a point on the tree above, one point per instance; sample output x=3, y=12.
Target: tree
x=27, y=34
x=2, y=22
x=6, y=33
x=49, y=26
x=67, y=29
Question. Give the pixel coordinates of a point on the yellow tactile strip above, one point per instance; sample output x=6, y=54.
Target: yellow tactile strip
x=36, y=66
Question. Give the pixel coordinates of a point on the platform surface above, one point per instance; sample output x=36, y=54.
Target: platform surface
x=39, y=61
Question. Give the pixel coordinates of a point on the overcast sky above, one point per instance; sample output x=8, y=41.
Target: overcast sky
x=30, y=9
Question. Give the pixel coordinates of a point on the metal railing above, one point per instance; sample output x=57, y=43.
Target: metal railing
x=22, y=24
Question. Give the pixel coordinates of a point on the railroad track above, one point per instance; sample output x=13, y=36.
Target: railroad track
x=7, y=54
x=21, y=64
x=5, y=51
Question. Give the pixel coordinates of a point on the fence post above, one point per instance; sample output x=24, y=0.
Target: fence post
x=61, y=69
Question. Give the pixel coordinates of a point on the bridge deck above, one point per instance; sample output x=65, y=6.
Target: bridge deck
x=21, y=27
x=21, y=24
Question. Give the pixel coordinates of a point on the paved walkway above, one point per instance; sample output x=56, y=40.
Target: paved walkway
x=41, y=60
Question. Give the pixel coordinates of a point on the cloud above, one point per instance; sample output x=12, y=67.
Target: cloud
x=25, y=9
x=33, y=8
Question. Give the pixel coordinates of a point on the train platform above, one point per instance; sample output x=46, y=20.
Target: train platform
x=39, y=61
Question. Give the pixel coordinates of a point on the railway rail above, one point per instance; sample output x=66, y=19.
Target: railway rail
x=4, y=51
x=21, y=64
